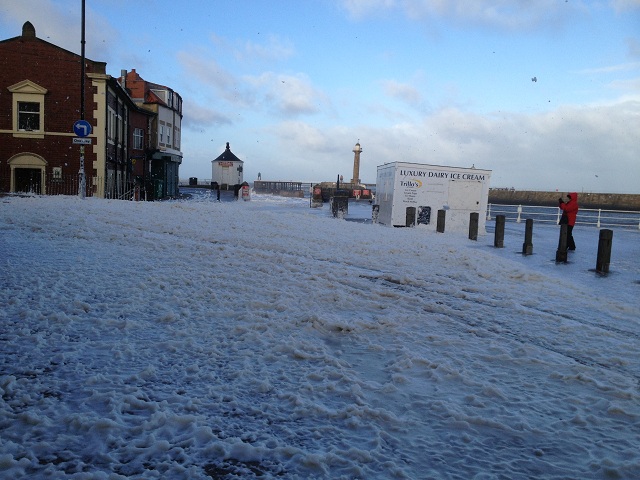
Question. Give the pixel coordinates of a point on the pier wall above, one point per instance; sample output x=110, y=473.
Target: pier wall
x=605, y=201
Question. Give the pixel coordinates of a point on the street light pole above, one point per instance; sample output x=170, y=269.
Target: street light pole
x=83, y=184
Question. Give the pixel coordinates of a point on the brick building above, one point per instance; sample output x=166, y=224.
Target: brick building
x=165, y=130
x=40, y=99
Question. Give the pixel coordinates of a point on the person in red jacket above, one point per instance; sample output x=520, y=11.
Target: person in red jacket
x=570, y=209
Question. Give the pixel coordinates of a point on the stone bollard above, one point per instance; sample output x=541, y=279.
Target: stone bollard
x=410, y=218
x=316, y=197
x=339, y=206
x=442, y=214
x=604, y=251
x=498, y=239
x=527, y=246
x=561, y=253
x=474, y=218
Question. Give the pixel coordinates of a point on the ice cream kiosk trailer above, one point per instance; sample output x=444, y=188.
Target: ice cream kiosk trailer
x=410, y=194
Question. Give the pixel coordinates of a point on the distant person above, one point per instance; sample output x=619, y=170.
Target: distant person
x=569, y=213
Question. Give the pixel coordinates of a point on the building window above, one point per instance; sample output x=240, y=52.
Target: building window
x=138, y=138
x=29, y=116
x=111, y=125
x=120, y=130
x=169, y=134
x=162, y=134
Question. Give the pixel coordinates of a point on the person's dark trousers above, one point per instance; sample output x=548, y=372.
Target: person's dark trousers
x=571, y=244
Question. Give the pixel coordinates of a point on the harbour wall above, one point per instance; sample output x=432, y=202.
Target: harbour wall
x=604, y=201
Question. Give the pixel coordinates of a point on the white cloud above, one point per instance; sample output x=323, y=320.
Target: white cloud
x=60, y=24
x=304, y=137
x=285, y=94
x=631, y=84
x=274, y=49
x=405, y=92
x=563, y=149
x=198, y=116
x=207, y=71
x=623, y=67
x=288, y=94
x=509, y=15
x=362, y=8
x=633, y=44
x=211, y=74
x=625, y=5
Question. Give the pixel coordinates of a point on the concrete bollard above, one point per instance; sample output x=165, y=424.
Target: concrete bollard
x=561, y=253
x=441, y=220
x=527, y=246
x=474, y=218
x=498, y=238
x=604, y=251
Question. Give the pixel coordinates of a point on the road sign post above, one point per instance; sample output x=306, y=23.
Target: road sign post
x=82, y=129
x=83, y=183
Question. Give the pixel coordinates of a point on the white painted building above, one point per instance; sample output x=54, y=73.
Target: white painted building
x=226, y=170
x=410, y=194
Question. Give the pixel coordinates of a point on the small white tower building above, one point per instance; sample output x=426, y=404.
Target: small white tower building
x=226, y=170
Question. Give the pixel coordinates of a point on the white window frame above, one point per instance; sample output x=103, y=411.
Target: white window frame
x=138, y=138
x=27, y=91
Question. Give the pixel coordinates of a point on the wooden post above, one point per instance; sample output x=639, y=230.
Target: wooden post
x=498, y=239
x=604, y=251
x=561, y=253
x=441, y=220
x=527, y=246
x=474, y=217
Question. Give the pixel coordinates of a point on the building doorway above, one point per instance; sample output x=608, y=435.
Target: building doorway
x=28, y=173
x=28, y=180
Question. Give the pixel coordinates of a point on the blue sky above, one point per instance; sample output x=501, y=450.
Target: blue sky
x=293, y=85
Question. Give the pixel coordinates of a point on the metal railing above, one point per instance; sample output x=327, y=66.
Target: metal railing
x=599, y=218
x=70, y=185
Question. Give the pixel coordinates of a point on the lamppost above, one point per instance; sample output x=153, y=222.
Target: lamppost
x=83, y=183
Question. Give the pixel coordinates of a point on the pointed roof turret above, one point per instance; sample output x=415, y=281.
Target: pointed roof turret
x=227, y=156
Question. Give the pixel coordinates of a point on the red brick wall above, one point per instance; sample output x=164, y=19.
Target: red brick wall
x=59, y=71
x=138, y=120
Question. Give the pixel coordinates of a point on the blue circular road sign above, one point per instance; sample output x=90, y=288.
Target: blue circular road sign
x=82, y=128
